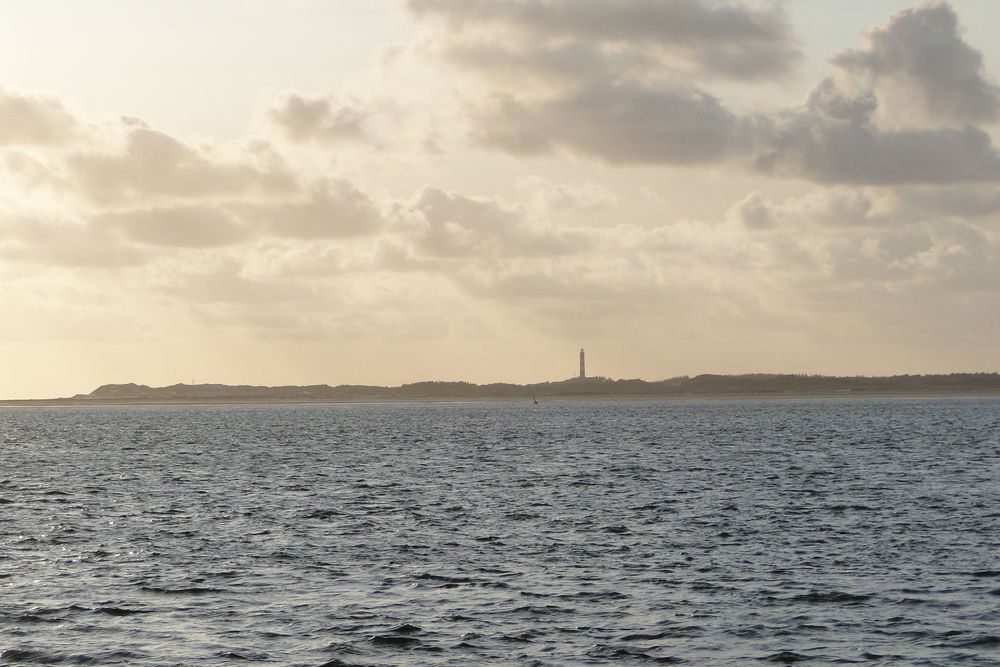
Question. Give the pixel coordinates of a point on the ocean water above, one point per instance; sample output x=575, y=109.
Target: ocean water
x=727, y=532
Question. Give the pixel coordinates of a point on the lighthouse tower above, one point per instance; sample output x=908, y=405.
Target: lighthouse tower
x=583, y=365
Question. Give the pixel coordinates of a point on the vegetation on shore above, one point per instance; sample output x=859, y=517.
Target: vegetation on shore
x=701, y=385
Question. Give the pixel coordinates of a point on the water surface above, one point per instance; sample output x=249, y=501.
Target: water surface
x=567, y=533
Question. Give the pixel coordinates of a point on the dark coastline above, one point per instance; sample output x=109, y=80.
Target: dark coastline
x=699, y=387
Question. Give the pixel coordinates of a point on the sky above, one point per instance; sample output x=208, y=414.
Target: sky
x=389, y=191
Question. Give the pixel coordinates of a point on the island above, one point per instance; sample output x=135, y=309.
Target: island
x=755, y=384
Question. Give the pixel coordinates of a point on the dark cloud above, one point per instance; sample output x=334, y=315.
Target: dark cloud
x=33, y=119
x=733, y=39
x=603, y=79
x=829, y=100
x=919, y=58
x=320, y=119
x=625, y=123
x=608, y=90
x=832, y=139
x=861, y=155
x=754, y=212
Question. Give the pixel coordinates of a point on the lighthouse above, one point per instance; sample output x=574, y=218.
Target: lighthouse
x=583, y=365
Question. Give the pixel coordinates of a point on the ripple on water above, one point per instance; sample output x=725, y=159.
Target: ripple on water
x=688, y=532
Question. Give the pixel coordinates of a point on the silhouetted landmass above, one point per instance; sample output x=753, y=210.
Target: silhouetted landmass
x=701, y=385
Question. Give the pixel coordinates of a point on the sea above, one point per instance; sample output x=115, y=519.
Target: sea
x=696, y=532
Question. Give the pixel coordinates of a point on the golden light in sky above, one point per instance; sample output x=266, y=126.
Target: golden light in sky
x=383, y=192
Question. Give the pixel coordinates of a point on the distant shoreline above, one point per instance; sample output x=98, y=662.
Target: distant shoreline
x=762, y=396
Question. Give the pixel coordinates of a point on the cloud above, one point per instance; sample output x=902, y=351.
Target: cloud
x=550, y=64
x=918, y=60
x=264, y=240
x=191, y=226
x=832, y=139
x=755, y=212
x=33, y=119
x=957, y=202
x=457, y=226
x=228, y=283
x=322, y=120
x=136, y=188
x=845, y=211
x=49, y=240
x=613, y=82
x=116, y=203
x=620, y=124
x=947, y=257
x=609, y=80
x=897, y=111
x=833, y=207
x=233, y=294
x=154, y=164
x=546, y=195
x=330, y=209
x=630, y=280
x=28, y=170
x=730, y=39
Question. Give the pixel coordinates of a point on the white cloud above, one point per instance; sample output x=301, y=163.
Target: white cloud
x=329, y=209
x=153, y=164
x=34, y=119
x=182, y=226
x=323, y=120
x=546, y=195
x=454, y=225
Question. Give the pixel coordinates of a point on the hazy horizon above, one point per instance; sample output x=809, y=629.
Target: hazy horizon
x=973, y=389
x=389, y=191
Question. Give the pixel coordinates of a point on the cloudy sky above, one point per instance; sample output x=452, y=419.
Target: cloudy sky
x=385, y=191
